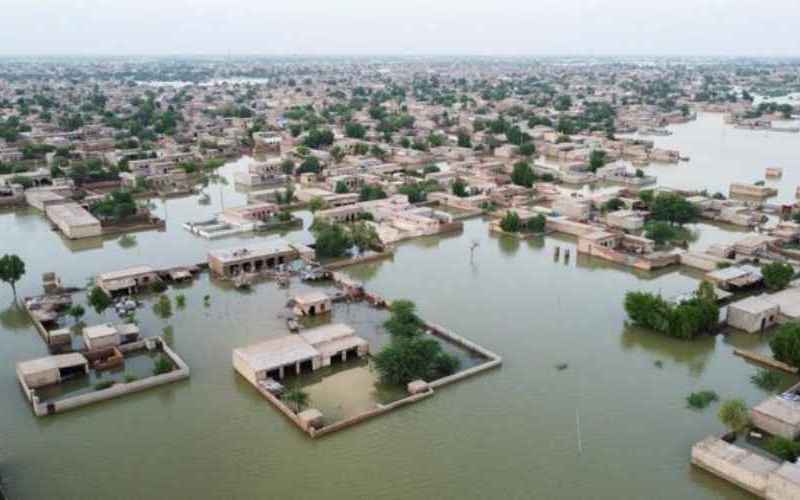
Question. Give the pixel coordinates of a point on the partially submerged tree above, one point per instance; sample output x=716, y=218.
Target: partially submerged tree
x=734, y=415
x=785, y=344
x=12, y=268
x=99, y=300
x=777, y=275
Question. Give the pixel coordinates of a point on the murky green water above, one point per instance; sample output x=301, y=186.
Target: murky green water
x=510, y=433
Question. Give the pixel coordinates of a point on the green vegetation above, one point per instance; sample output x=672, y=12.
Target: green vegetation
x=613, y=205
x=12, y=268
x=767, y=380
x=130, y=378
x=459, y=188
x=297, y=398
x=777, y=275
x=316, y=204
x=686, y=320
x=411, y=354
x=332, y=240
x=734, y=415
x=161, y=365
x=511, y=222
x=784, y=448
x=663, y=232
x=116, y=206
x=523, y=175
x=364, y=236
x=701, y=399
x=76, y=311
x=127, y=241
x=672, y=208
x=371, y=192
x=99, y=300
x=785, y=343
x=180, y=301
x=597, y=159
x=163, y=308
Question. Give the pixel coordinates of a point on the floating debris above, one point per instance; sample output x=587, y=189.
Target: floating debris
x=658, y=363
x=562, y=366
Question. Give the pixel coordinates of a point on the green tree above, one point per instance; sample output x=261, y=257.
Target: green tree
x=527, y=149
x=464, y=138
x=597, y=159
x=734, y=415
x=332, y=240
x=99, y=300
x=785, y=344
x=364, y=236
x=511, y=223
x=673, y=208
x=76, y=311
x=341, y=187
x=161, y=365
x=403, y=321
x=522, y=175
x=371, y=192
x=12, y=268
x=777, y=275
x=459, y=188
x=536, y=224
x=315, y=204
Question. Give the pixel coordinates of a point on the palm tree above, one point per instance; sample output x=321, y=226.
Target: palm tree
x=297, y=397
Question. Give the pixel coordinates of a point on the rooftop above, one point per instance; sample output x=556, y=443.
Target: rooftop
x=51, y=363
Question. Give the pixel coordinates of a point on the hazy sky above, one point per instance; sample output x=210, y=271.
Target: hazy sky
x=501, y=27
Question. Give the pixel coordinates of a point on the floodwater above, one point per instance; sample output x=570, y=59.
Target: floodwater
x=612, y=425
x=720, y=154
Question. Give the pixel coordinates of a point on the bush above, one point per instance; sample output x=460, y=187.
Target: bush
x=685, y=320
x=783, y=448
x=162, y=365
x=734, y=415
x=785, y=344
x=536, y=224
x=511, y=222
x=700, y=400
x=130, y=378
x=777, y=275
x=767, y=380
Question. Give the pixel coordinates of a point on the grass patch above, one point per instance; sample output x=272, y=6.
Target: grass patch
x=700, y=400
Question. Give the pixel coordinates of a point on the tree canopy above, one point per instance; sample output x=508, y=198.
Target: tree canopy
x=12, y=268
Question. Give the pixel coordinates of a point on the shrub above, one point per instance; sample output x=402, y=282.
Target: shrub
x=511, y=222
x=162, y=365
x=783, y=448
x=777, y=275
x=130, y=378
x=700, y=400
x=785, y=344
x=734, y=415
x=767, y=380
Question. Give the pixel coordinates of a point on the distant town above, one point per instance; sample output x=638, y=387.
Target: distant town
x=234, y=219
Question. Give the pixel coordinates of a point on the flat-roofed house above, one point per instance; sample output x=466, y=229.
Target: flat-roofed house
x=127, y=281
x=294, y=354
x=275, y=358
x=312, y=303
x=752, y=314
x=101, y=336
x=254, y=258
x=778, y=415
x=51, y=369
x=74, y=221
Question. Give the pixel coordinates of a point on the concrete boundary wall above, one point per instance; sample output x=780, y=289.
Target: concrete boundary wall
x=493, y=361
x=120, y=388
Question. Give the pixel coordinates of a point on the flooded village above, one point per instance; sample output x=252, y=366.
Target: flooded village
x=395, y=268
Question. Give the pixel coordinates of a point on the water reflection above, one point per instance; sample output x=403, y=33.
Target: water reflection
x=15, y=318
x=694, y=354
